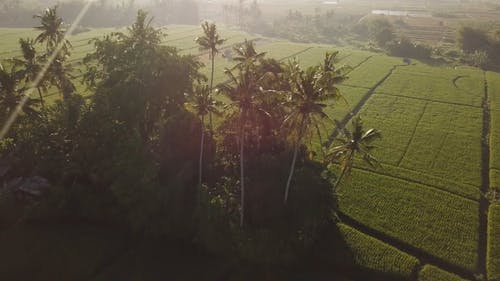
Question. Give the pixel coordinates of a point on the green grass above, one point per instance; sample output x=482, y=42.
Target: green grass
x=433, y=273
x=436, y=222
x=436, y=84
x=372, y=254
x=494, y=99
x=493, y=252
x=447, y=143
x=372, y=71
x=426, y=141
x=495, y=179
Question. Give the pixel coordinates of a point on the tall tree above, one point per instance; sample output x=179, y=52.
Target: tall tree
x=202, y=103
x=52, y=31
x=242, y=91
x=210, y=41
x=309, y=90
x=357, y=141
x=30, y=66
x=52, y=34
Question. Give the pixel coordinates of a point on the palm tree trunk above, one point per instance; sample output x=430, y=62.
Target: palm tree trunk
x=200, y=173
x=41, y=97
x=211, y=87
x=348, y=163
x=340, y=179
x=318, y=131
x=292, y=169
x=242, y=173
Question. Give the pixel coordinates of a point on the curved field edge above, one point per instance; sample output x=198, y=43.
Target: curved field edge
x=433, y=273
x=438, y=223
x=493, y=251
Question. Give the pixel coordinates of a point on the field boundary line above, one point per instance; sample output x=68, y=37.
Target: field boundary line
x=297, y=53
x=428, y=100
x=359, y=64
x=485, y=183
x=423, y=256
x=412, y=134
x=430, y=186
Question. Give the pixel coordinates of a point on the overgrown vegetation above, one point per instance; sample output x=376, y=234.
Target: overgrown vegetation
x=133, y=154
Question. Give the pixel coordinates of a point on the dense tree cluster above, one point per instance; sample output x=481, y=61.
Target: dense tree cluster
x=136, y=150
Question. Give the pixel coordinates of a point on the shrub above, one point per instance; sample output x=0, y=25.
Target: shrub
x=405, y=48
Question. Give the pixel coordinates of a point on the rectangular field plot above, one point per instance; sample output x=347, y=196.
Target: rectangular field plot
x=372, y=71
x=461, y=86
x=366, y=252
x=396, y=118
x=447, y=143
x=493, y=251
x=429, y=143
x=439, y=223
x=433, y=273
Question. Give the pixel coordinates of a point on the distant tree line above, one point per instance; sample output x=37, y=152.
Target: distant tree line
x=481, y=48
x=103, y=13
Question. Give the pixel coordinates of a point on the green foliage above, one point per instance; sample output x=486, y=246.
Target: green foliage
x=493, y=252
x=273, y=233
x=405, y=48
x=433, y=273
x=423, y=217
x=472, y=39
x=370, y=253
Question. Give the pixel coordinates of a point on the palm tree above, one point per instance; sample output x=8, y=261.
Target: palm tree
x=308, y=91
x=246, y=55
x=357, y=141
x=210, y=41
x=242, y=90
x=51, y=26
x=202, y=103
x=30, y=66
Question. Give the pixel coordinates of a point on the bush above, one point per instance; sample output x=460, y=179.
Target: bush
x=405, y=48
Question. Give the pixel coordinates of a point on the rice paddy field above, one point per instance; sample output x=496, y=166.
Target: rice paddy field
x=423, y=215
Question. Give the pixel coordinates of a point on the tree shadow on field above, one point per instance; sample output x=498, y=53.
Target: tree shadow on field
x=333, y=254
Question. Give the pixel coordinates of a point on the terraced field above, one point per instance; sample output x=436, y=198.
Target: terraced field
x=424, y=215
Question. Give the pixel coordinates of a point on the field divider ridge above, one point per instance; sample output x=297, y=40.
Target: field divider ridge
x=412, y=135
x=429, y=100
